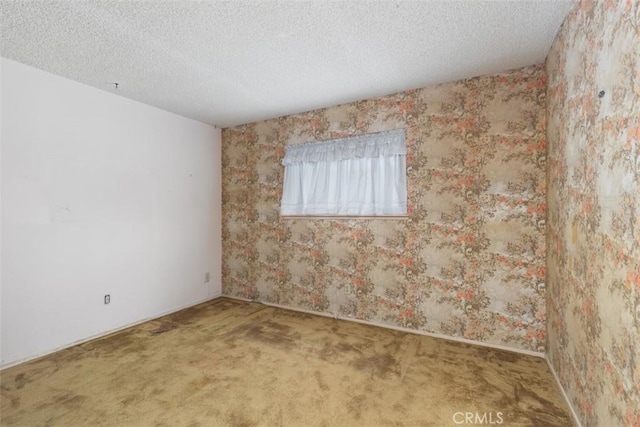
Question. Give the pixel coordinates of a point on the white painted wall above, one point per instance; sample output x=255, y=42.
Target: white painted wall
x=100, y=195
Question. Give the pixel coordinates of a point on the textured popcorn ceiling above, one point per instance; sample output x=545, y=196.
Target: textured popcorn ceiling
x=227, y=63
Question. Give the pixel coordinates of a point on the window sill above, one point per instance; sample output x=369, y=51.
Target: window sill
x=344, y=217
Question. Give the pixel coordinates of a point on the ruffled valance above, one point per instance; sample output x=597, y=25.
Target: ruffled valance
x=373, y=145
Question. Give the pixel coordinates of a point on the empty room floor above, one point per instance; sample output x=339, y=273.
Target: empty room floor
x=227, y=362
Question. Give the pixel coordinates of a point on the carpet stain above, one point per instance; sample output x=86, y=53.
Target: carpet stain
x=200, y=383
x=345, y=347
x=164, y=327
x=504, y=356
x=20, y=381
x=14, y=402
x=268, y=333
x=239, y=419
x=186, y=317
x=111, y=343
x=355, y=405
x=69, y=399
x=132, y=399
x=321, y=384
x=379, y=365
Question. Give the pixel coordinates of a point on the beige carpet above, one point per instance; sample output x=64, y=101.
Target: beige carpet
x=232, y=363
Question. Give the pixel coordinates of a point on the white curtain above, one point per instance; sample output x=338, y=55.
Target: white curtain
x=361, y=175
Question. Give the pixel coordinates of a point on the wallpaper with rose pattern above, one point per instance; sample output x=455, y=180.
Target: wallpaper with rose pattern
x=593, y=295
x=470, y=259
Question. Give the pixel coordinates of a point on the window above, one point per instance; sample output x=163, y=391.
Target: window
x=354, y=176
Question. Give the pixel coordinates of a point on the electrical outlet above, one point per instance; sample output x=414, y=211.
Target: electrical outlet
x=107, y=299
x=207, y=277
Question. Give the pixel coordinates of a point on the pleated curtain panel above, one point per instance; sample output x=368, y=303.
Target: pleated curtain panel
x=355, y=176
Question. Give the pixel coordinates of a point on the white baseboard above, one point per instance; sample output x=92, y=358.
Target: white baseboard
x=574, y=414
x=397, y=328
x=239, y=298
x=109, y=332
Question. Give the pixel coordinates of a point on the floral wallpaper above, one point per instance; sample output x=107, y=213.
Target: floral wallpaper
x=593, y=235
x=468, y=262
